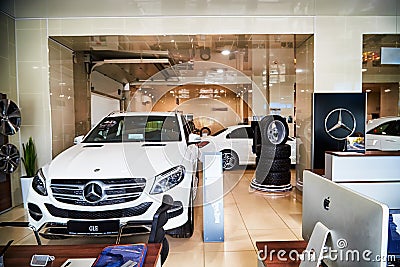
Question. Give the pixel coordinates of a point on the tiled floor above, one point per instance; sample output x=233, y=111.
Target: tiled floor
x=249, y=217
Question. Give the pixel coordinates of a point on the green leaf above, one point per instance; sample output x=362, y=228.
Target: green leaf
x=29, y=157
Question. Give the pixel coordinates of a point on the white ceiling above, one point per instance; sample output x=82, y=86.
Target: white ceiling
x=122, y=8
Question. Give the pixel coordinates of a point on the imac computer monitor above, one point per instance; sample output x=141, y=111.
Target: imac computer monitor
x=358, y=225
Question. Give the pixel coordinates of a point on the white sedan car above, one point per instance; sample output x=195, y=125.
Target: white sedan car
x=116, y=177
x=235, y=144
x=383, y=134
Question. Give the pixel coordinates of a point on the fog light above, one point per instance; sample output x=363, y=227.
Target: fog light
x=35, y=212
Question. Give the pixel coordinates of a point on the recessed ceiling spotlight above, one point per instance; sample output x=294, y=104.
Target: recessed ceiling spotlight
x=220, y=70
x=387, y=90
x=368, y=90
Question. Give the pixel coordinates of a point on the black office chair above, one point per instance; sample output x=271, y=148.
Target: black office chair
x=23, y=224
x=168, y=209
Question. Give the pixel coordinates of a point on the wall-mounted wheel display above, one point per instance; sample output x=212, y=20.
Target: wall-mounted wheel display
x=9, y=158
x=10, y=117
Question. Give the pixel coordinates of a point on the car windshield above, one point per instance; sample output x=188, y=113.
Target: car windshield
x=135, y=129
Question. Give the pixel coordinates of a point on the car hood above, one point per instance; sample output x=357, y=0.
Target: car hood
x=91, y=161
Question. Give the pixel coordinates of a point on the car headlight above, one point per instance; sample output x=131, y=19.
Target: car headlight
x=39, y=183
x=167, y=180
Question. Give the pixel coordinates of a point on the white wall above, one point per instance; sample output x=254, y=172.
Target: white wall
x=101, y=107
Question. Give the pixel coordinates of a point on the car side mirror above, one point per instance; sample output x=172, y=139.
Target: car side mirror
x=194, y=139
x=78, y=139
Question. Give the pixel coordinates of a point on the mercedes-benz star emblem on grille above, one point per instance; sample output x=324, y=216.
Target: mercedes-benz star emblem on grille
x=93, y=192
x=340, y=123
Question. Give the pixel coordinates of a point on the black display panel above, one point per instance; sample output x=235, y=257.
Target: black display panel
x=335, y=116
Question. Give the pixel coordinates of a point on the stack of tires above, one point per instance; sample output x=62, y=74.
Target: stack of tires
x=272, y=155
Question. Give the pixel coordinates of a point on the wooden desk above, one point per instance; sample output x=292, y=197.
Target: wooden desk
x=21, y=255
x=276, y=246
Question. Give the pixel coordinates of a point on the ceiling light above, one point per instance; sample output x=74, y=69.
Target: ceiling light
x=220, y=70
x=368, y=90
x=387, y=90
x=363, y=70
x=225, y=52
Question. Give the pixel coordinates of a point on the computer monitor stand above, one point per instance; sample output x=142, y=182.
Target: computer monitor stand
x=314, y=252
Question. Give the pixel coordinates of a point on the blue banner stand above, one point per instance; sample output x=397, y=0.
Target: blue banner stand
x=213, y=201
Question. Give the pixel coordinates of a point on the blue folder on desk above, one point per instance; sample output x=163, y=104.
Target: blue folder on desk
x=122, y=255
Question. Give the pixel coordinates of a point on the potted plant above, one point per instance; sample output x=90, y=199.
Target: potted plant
x=29, y=161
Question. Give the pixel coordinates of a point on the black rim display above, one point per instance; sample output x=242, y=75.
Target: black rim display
x=9, y=158
x=10, y=117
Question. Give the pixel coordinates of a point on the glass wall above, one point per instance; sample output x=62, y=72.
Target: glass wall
x=380, y=81
x=223, y=71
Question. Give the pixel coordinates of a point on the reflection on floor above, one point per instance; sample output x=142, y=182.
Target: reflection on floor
x=249, y=217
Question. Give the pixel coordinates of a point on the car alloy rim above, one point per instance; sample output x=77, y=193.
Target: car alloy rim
x=9, y=158
x=228, y=160
x=276, y=132
x=10, y=117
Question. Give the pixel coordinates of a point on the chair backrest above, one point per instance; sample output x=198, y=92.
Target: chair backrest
x=160, y=218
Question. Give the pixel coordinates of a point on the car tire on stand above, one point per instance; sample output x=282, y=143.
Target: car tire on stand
x=273, y=157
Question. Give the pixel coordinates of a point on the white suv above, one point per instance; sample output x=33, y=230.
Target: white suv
x=115, y=179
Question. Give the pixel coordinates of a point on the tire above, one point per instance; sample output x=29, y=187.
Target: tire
x=186, y=230
x=230, y=160
x=276, y=152
x=274, y=130
x=277, y=178
x=280, y=165
x=273, y=165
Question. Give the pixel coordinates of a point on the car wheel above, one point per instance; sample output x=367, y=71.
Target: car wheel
x=277, y=178
x=274, y=130
x=280, y=165
x=186, y=230
x=277, y=152
x=230, y=160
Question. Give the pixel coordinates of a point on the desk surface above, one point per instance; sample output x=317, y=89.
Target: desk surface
x=273, y=248
x=21, y=255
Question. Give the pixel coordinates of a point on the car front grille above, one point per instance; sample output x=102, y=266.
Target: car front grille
x=98, y=215
x=111, y=191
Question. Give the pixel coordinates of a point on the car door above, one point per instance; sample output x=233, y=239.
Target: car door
x=385, y=137
x=241, y=140
x=391, y=137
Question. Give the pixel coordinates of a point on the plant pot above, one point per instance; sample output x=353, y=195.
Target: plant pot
x=25, y=186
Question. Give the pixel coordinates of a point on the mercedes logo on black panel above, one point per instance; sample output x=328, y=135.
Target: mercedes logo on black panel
x=93, y=192
x=340, y=123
